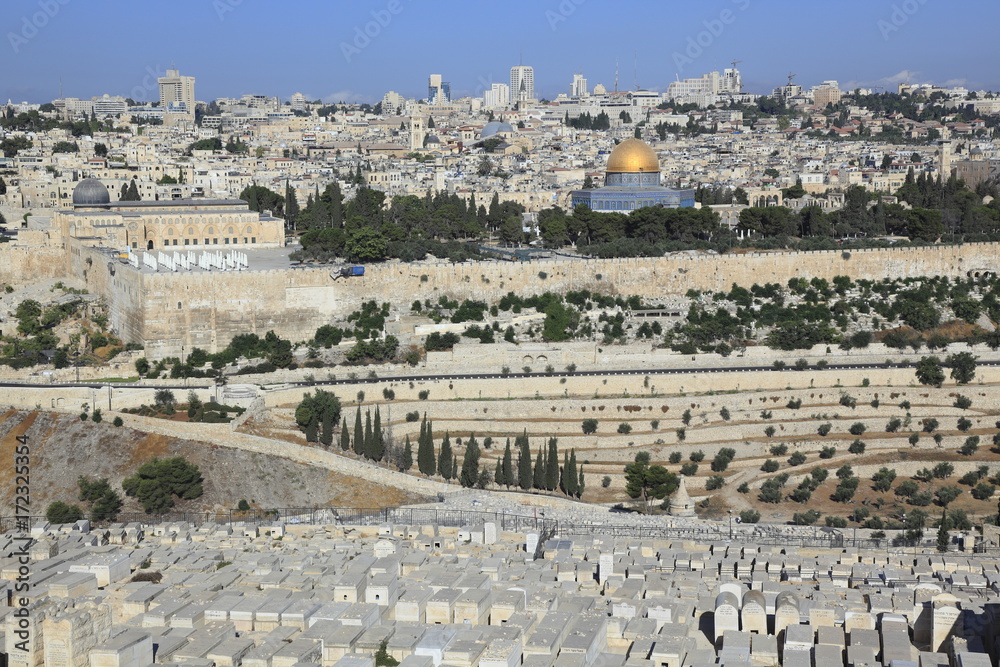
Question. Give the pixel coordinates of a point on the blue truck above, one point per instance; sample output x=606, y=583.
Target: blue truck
x=350, y=271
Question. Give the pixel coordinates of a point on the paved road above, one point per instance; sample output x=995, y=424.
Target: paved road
x=502, y=376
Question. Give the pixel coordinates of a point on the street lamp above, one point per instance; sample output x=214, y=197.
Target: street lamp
x=730, y=524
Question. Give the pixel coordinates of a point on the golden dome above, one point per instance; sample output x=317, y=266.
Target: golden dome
x=633, y=156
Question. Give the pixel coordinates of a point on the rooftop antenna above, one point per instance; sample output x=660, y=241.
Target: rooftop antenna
x=635, y=69
x=60, y=88
x=616, y=75
x=735, y=63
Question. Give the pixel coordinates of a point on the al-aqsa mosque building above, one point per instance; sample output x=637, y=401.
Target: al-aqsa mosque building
x=631, y=181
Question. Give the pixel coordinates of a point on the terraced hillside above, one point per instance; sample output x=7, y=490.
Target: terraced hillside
x=779, y=434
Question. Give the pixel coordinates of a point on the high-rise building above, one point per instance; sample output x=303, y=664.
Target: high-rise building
x=497, y=96
x=438, y=91
x=393, y=103
x=579, y=86
x=712, y=83
x=827, y=92
x=298, y=101
x=177, y=92
x=522, y=83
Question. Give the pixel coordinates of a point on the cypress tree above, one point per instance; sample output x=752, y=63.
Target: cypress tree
x=572, y=478
x=369, y=438
x=133, y=192
x=445, y=458
x=507, y=468
x=291, y=205
x=470, y=464
x=580, y=485
x=407, y=461
x=336, y=206
x=538, y=476
x=359, y=434
x=943, y=539
x=564, y=474
x=498, y=474
x=552, y=466
x=326, y=435
x=524, y=476
x=484, y=478
x=378, y=441
x=425, y=453
x=345, y=436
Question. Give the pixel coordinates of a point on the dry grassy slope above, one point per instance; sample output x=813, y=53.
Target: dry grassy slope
x=63, y=448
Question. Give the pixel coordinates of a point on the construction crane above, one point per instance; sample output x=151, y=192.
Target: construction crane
x=735, y=63
x=790, y=77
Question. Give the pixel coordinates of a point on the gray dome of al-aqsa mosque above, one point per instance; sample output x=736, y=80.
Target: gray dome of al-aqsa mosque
x=90, y=192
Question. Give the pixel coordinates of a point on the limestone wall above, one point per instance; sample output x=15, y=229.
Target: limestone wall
x=20, y=264
x=198, y=309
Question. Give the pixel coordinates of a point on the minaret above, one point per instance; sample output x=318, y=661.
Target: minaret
x=944, y=159
x=416, y=133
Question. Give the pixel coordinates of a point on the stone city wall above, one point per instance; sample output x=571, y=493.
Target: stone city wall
x=168, y=311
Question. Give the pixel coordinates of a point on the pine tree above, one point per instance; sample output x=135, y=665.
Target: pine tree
x=407, y=461
x=378, y=440
x=369, y=438
x=552, y=466
x=524, y=476
x=507, y=469
x=484, y=478
x=445, y=458
x=470, y=464
x=538, y=474
x=359, y=434
x=345, y=436
x=326, y=435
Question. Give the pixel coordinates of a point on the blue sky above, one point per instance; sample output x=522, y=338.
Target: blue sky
x=319, y=47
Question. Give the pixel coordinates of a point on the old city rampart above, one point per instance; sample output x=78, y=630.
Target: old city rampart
x=171, y=311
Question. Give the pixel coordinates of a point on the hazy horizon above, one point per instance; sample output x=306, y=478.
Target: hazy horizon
x=356, y=52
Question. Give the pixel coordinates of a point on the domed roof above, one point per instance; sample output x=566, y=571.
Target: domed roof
x=493, y=127
x=631, y=157
x=90, y=192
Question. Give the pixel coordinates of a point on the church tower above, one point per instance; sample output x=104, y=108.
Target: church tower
x=417, y=133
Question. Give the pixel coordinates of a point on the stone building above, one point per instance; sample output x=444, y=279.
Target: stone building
x=177, y=223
